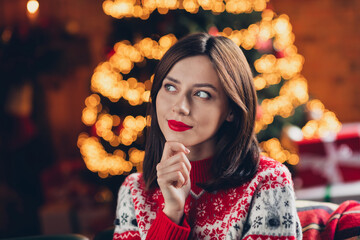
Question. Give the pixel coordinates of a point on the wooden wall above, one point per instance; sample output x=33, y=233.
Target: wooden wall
x=327, y=34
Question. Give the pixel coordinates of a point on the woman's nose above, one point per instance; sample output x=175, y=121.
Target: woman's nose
x=182, y=106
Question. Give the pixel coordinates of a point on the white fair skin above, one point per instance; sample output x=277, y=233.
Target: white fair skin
x=191, y=93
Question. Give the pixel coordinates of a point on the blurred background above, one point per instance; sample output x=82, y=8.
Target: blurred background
x=75, y=77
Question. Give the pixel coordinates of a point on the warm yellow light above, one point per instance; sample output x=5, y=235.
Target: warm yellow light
x=92, y=101
x=143, y=9
x=259, y=5
x=265, y=31
x=231, y=6
x=274, y=149
x=294, y=159
x=282, y=25
x=32, y=6
x=265, y=64
x=108, y=81
x=89, y=116
x=315, y=104
x=132, y=82
x=259, y=83
x=165, y=42
x=267, y=15
x=116, y=120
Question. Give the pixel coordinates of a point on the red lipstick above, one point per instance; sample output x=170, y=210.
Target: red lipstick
x=178, y=126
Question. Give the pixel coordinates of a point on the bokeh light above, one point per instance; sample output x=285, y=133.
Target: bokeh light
x=32, y=6
x=107, y=80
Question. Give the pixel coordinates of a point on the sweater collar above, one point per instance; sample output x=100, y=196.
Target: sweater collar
x=200, y=171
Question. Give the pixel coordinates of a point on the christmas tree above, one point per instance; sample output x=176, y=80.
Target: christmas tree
x=144, y=30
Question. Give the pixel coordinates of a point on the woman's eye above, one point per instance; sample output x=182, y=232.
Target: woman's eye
x=170, y=88
x=203, y=94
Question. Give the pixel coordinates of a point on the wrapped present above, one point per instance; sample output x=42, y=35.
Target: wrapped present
x=329, y=160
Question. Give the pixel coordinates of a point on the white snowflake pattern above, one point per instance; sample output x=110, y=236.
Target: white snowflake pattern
x=156, y=194
x=232, y=194
x=201, y=210
x=218, y=205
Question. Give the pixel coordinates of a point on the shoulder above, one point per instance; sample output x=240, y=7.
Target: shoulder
x=132, y=178
x=270, y=170
x=131, y=187
x=133, y=181
x=269, y=165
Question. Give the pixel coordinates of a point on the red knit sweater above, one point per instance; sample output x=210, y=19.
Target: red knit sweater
x=263, y=208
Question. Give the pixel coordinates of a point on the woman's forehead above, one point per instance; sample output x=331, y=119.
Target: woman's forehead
x=196, y=69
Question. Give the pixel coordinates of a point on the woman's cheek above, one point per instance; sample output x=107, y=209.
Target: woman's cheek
x=160, y=101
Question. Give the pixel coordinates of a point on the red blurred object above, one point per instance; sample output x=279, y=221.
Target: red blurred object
x=93, y=131
x=213, y=31
x=259, y=112
x=264, y=46
x=280, y=54
x=330, y=160
x=110, y=53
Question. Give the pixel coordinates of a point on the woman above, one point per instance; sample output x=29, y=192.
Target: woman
x=203, y=177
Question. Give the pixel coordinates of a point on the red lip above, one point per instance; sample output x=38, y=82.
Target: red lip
x=178, y=126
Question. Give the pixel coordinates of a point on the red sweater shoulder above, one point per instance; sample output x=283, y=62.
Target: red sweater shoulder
x=272, y=173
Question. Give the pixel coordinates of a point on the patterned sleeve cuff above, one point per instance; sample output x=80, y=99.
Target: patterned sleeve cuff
x=164, y=228
x=133, y=235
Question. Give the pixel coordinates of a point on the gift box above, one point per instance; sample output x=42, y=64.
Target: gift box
x=330, y=160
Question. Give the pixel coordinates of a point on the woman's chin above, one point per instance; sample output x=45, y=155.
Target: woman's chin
x=178, y=139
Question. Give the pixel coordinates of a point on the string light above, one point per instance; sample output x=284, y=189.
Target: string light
x=143, y=9
x=108, y=81
x=98, y=160
x=273, y=149
x=324, y=122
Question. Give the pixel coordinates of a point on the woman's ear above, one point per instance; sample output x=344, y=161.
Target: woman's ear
x=230, y=116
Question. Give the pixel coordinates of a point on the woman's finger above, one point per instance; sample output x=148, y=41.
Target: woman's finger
x=171, y=148
x=179, y=157
x=173, y=178
x=180, y=166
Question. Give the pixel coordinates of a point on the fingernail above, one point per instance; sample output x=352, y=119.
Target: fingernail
x=187, y=150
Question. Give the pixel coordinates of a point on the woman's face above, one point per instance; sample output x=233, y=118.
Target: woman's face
x=191, y=104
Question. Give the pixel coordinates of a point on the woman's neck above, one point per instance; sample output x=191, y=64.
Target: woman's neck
x=201, y=151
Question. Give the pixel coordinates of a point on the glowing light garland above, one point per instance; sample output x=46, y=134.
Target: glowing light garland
x=143, y=8
x=108, y=81
x=273, y=148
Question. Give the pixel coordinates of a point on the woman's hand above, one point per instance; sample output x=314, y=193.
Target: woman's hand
x=173, y=176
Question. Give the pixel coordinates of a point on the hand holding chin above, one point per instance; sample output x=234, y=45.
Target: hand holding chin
x=173, y=176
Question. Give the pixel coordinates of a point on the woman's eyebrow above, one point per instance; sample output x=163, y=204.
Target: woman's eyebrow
x=195, y=85
x=172, y=79
x=206, y=85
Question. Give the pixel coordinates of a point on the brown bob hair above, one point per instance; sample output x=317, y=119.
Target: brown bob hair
x=237, y=153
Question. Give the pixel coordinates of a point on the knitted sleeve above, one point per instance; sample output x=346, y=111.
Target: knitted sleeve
x=164, y=228
x=273, y=212
x=126, y=226
x=127, y=222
